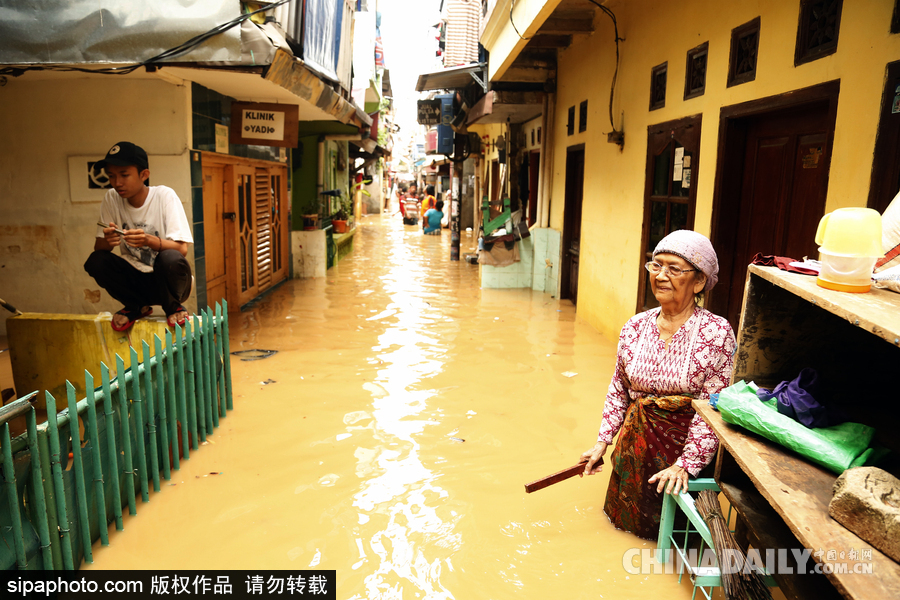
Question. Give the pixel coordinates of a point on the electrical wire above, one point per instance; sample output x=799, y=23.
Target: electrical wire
x=612, y=90
x=512, y=5
x=165, y=55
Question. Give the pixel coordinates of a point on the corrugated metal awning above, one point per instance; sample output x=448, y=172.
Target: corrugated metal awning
x=453, y=78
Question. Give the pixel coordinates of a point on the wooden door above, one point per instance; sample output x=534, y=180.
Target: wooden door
x=241, y=251
x=214, y=232
x=784, y=181
x=886, y=164
x=670, y=192
x=571, y=236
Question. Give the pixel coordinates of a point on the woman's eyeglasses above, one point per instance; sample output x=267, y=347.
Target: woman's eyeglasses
x=671, y=270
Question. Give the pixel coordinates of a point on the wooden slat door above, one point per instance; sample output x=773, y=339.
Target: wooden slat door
x=263, y=214
x=280, y=223
x=242, y=251
x=257, y=238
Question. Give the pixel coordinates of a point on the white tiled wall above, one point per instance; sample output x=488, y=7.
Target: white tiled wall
x=516, y=275
x=538, y=267
x=545, y=274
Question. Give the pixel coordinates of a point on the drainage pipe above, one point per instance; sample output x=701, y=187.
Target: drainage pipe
x=547, y=159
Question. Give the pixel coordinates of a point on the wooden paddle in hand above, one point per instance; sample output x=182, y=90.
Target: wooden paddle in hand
x=558, y=476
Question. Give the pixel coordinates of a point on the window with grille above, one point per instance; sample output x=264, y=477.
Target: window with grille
x=695, y=73
x=744, y=52
x=658, y=76
x=817, y=31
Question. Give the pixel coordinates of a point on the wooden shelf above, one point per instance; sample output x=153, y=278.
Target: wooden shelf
x=788, y=323
x=877, y=311
x=799, y=492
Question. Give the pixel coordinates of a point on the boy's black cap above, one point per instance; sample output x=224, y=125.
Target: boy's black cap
x=125, y=154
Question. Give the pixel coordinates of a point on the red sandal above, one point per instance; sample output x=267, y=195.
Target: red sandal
x=178, y=321
x=132, y=315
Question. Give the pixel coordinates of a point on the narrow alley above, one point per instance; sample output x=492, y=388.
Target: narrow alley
x=390, y=437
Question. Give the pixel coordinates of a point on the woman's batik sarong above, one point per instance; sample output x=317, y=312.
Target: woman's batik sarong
x=651, y=439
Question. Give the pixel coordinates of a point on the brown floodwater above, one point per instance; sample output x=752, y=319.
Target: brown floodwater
x=401, y=417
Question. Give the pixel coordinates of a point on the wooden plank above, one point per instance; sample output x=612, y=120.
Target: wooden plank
x=550, y=41
x=877, y=311
x=549, y=480
x=799, y=492
x=483, y=107
x=528, y=74
x=565, y=26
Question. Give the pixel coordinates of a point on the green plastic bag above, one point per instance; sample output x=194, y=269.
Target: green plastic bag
x=836, y=448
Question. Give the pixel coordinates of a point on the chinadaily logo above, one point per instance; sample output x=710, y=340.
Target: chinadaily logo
x=794, y=561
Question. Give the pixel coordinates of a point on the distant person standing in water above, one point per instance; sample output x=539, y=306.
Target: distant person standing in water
x=433, y=216
x=429, y=199
x=151, y=268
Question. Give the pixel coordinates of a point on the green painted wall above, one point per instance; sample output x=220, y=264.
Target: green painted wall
x=304, y=167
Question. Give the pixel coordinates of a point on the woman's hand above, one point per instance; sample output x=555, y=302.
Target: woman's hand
x=593, y=457
x=673, y=479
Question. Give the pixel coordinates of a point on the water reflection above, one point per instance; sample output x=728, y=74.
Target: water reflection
x=404, y=491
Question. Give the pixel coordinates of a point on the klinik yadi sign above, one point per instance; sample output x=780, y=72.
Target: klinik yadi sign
x=260, y=124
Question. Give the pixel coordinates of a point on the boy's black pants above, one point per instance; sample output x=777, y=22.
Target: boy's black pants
x=167, y=286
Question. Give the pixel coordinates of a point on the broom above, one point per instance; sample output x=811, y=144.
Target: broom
x=741, y=583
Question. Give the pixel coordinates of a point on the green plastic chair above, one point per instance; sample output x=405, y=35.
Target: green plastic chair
x=703, y=578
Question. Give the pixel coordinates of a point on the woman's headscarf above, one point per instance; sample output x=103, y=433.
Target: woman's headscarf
x=696, y=249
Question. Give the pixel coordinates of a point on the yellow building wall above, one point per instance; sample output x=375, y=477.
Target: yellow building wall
x=657, y=32
x=503, y=40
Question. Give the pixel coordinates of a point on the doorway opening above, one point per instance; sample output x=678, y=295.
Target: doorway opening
x=670, y=190
x=771, y=184
x=571, y=234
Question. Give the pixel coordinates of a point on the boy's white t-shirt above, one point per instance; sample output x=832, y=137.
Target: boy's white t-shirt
x=161, y=215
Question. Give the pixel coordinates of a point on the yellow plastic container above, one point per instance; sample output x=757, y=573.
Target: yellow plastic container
x=850, y=244
x=851, y=232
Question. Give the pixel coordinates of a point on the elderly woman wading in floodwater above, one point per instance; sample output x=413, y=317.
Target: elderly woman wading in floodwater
x=666, y=357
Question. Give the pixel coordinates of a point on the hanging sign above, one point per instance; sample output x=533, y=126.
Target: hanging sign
x=260, y=124
x=428, y=112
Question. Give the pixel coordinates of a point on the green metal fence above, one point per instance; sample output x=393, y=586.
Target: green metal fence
x=64, y=480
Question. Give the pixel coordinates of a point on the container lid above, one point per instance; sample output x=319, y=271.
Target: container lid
x=851, y=232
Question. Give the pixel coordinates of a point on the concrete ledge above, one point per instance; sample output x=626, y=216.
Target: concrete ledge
x=48, y=349
x=344, y=243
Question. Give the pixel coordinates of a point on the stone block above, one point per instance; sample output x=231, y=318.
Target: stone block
x=867, y=502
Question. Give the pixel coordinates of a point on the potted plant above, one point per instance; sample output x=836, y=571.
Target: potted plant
x=340, y=219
